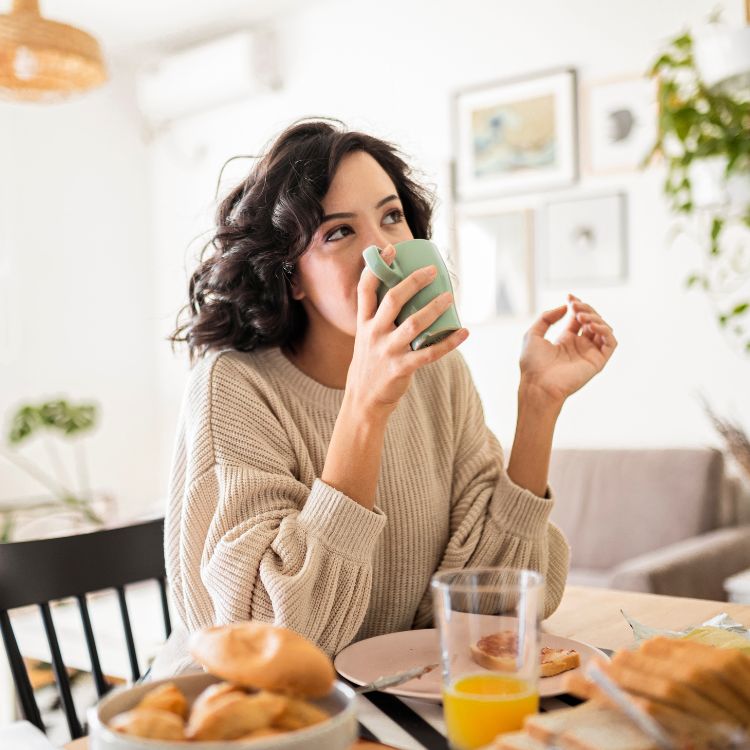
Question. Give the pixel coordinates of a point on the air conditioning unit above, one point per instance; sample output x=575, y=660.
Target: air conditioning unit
x=229, y=68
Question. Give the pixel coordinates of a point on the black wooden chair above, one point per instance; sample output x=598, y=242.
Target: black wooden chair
x=41, y=571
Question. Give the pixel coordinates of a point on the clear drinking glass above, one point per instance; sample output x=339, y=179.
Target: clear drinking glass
x=488, y=619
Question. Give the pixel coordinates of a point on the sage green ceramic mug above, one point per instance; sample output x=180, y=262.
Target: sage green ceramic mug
x=411, y=255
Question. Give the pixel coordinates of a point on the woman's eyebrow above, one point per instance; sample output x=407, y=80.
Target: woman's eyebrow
x=380, y=203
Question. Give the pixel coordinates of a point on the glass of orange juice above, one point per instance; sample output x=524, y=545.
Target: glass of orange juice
x=488, y=619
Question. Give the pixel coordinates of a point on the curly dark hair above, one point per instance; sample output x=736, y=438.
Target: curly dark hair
x=240, y=293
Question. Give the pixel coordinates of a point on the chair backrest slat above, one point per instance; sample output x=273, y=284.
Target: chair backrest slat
x=165, y=605
x=102, y=686
x=45, y=570
x=65, y=566
x=20, y=675
x=61, y=674
x=128, y=633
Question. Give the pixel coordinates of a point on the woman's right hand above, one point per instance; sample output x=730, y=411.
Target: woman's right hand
x=383, y=362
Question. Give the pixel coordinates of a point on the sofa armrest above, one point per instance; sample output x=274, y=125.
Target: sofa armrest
x=695, y=567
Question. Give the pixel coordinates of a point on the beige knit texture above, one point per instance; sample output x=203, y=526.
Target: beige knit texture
x=252, y=532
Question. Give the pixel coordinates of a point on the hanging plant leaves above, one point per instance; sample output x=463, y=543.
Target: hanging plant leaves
x=60, y=415
x=697, y=123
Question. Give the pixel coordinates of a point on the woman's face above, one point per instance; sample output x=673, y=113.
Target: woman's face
x=361, y=208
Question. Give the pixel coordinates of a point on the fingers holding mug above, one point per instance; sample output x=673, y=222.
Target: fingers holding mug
x=421, y=320
x=395, y=299
x=410, y=282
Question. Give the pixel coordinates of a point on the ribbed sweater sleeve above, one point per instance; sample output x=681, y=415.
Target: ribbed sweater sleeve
x=266, y=545
x=494, y=522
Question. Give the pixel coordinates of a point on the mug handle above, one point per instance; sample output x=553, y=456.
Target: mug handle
x=380, y=268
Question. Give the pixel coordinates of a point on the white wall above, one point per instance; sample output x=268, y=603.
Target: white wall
x=392, y=69
x=77, y=285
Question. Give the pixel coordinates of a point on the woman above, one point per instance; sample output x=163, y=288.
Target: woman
x=324, y=471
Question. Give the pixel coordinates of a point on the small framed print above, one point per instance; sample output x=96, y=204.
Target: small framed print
x=585, y=241
x=495, y=265
x=516, y=135
x=619, y=124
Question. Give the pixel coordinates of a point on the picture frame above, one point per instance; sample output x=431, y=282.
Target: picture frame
x=495, y=264
x=585, y=241
x=619, y=124
x=516, y=135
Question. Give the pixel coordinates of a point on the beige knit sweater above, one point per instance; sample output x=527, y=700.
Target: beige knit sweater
x=252, y=532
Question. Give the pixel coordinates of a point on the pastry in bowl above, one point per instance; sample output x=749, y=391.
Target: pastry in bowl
x=266, y=687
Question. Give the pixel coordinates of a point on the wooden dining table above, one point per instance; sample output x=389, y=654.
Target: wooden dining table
x=595, y=616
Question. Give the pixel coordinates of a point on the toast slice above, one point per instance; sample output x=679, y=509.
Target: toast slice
x=498, y=651
x=517, y=741
x=589, y=726
x=557, y=660
x=702, y=680
x=732, y=666
x=666, y=690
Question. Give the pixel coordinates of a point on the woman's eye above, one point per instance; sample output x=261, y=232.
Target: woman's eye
x=338, y=234
x=394, y=217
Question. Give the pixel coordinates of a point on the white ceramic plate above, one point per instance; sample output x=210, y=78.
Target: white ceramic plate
x=365, y=661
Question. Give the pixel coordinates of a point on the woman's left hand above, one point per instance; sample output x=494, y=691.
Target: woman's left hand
x=558, y=369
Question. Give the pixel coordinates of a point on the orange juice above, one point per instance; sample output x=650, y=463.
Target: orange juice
x=479, y=707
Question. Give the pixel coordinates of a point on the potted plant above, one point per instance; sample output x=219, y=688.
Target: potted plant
x=53, y=420
x=704, y=137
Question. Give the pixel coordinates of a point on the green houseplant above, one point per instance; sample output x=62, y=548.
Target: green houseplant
x=699, y=130
x=53, y=421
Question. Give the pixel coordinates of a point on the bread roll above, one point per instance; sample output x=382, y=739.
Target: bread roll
x=266, y=657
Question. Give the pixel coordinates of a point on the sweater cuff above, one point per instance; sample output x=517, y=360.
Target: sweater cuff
x=340, y=522
x=517, y=511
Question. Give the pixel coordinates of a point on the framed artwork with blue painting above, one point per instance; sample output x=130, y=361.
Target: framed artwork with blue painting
x=518, y=135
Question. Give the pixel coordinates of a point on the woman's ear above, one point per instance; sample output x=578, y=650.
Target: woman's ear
x=291, y=273
x=297, y=292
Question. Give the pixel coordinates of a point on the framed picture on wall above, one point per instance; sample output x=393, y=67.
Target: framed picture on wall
x=516, y=135
x=585, y=241
x=495, y=265
x=619, y=124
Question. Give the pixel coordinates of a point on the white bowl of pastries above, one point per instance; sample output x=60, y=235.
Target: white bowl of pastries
x=264, y=688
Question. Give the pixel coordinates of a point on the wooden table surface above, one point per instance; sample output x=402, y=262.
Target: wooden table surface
x=593, y=615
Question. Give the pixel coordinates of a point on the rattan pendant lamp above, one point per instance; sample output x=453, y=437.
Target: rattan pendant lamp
x=43, y=60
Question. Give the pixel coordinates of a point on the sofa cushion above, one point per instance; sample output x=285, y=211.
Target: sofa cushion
x=617, y=504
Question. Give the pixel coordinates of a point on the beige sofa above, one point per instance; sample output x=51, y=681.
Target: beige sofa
x=661, y=521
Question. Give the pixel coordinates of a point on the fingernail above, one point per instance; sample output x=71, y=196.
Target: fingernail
x=429, y=271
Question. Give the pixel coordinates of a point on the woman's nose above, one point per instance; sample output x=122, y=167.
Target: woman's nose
x=379, y=239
